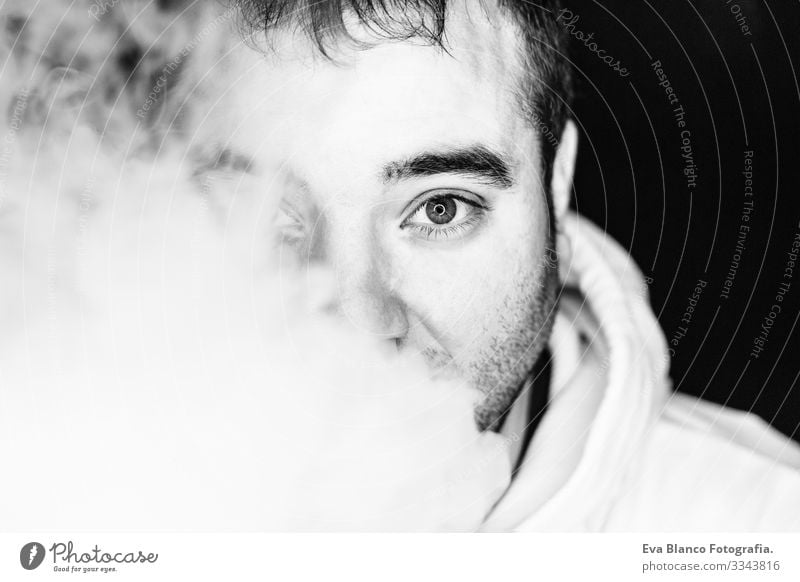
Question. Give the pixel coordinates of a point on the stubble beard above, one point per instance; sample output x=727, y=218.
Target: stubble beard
x=510, y=358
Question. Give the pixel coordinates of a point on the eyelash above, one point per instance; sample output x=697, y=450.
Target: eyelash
x=433, y=232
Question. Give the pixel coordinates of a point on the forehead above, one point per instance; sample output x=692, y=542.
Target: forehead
x=376, y=104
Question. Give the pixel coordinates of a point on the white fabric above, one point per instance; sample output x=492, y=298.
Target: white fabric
x=617, y=450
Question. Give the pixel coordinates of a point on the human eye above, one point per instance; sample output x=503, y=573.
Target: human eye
x=289, y=226
x=445, y=215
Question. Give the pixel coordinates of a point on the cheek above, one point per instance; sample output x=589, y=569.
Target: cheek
x=475, y=292
x=508, y=303
x=450, y=290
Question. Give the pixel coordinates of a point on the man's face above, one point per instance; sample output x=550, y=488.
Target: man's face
x=414, y=176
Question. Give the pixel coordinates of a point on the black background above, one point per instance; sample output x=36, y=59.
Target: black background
x=739, y=93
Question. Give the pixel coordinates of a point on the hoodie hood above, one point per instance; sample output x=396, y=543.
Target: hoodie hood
x=609, y=382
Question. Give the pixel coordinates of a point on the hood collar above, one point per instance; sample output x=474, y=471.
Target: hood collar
x=609, y=380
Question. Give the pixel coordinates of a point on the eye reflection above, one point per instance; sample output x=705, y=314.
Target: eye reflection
x=441, y=209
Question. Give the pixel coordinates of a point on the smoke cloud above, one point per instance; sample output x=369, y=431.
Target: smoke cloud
x=163, y=363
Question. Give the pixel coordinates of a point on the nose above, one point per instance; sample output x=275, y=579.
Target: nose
x=368, y=293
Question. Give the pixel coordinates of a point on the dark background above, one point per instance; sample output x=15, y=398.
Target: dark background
x=739, y=92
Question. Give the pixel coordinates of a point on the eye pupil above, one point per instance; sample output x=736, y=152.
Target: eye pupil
x=441, y=210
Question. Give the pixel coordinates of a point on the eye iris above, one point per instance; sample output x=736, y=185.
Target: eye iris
x=441, y=210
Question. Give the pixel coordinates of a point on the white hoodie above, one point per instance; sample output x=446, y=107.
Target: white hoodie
x=617, y=450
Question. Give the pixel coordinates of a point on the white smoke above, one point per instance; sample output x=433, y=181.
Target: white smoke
x=159, y=367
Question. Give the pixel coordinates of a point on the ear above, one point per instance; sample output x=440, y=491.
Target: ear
x=561, y=189
x=564, y=170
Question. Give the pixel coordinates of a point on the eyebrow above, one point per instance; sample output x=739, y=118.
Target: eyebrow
x=476, y=161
